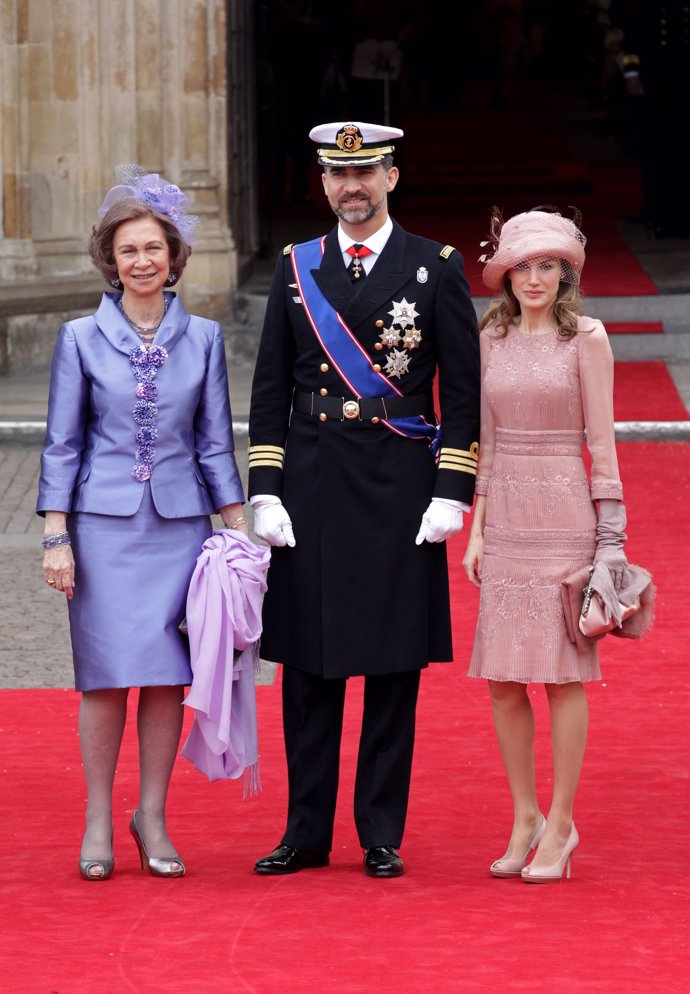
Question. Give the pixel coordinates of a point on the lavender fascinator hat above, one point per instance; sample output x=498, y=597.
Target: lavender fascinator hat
x=531, y=237
x=156, y=193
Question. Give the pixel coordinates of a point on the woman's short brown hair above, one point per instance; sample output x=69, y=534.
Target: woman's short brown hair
x=103, y=236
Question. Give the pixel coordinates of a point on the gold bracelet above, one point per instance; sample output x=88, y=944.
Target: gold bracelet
x=241, y=520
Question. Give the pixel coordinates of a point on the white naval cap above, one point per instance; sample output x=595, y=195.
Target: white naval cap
x=353, y=143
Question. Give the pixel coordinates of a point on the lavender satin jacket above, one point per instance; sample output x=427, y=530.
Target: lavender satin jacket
x=90, y=443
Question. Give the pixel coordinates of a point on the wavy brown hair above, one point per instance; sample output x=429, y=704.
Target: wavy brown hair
x=503, y=310
x=103, y=236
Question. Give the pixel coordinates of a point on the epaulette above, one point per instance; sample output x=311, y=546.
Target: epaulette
x=446, y=251
x=288, y=249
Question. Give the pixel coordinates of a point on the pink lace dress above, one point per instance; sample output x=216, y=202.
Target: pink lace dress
x=539, y=394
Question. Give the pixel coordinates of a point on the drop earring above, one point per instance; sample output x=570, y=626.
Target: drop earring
x=172, y=278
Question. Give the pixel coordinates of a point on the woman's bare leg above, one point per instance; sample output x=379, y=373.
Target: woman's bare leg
x=569, y=720
x=514, y=724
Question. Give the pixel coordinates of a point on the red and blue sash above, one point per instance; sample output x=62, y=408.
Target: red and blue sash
x=344, y=351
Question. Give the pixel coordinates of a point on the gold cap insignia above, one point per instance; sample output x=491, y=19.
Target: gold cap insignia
x=349, y=139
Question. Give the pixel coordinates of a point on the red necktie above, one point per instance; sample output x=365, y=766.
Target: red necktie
x=356, y=269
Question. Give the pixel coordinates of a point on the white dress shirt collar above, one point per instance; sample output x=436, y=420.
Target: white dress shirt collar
x=375, y=242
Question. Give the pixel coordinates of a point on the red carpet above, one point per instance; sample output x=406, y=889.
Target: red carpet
x=634, y=327
x=454, y=168
x=611, y=269
x=619, y=926
x=645, y=391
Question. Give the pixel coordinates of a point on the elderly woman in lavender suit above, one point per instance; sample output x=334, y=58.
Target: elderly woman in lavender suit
x=138, y=454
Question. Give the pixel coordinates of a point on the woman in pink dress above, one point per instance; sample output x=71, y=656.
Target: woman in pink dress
x=547, y=379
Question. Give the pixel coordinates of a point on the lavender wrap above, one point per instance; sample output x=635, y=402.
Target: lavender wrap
x=224, y=626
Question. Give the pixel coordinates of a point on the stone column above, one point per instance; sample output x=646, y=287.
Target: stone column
x=163, y=105
x=195, y=133
x=88, y=84
x=17, y=258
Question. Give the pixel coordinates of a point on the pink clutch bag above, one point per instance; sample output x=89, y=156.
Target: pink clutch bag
x=585, y=617
x=592, y=621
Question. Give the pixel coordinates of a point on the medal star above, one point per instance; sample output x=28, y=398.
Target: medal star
x=396, y=363
x=403, y=313
x=390, y=337
x=412, y=338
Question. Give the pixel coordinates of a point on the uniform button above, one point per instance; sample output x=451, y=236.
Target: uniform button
x=323, y=417
x=377, y=368
x=378, y=346
x=324, y=367
x=379, y=323
x=375, y=421
x=323, y=392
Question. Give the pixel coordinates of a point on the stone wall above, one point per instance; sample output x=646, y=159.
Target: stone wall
x=84, y=85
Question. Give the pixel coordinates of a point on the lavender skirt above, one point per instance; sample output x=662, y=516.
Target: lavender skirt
x=132, y=576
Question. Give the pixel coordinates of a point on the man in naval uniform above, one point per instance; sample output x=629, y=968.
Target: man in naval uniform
x=356, y=490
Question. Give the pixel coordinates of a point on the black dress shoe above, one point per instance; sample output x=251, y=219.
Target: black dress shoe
x=287, y=859
x=383, y=861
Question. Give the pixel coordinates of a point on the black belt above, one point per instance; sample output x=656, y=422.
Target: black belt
x=365, y=409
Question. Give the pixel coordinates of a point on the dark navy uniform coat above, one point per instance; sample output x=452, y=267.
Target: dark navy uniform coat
x=356, y=596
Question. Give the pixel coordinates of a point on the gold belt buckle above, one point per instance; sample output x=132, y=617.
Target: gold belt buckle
x=350, y=409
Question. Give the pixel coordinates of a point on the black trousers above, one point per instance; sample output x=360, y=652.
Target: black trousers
x=313, y=723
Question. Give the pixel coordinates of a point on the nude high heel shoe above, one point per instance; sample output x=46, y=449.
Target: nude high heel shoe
x=170, y=866
x=505, y=868
x=554, y=873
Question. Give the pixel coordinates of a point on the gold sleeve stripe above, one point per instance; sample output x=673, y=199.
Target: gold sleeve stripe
x=443, y=464
x=458, y=461
x=267, y=448
x=266, y=455
x=272, y=463
x=466, y=453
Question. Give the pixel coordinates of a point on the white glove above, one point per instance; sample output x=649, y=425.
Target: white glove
x=442, y=518
x=271, y=520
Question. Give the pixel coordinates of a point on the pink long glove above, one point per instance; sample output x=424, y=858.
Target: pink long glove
x=610, y=539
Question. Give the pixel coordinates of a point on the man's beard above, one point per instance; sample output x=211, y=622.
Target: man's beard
x=358, y=215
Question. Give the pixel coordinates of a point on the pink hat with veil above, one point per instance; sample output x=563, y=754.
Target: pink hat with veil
x=531, y=237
